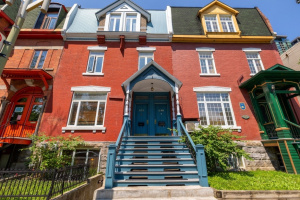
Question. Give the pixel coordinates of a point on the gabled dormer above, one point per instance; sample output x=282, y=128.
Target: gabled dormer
x=123, y=17
x=219, y=18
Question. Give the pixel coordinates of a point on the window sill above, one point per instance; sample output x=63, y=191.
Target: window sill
x=93, y=74
x=252, y=74
x=201, y=74
x=237, y=128
x=84, y=128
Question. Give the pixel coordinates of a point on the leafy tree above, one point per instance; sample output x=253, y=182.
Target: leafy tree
x=219, y=144
x=46, y=152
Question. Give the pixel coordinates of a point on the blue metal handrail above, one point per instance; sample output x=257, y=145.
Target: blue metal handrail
x=112, y=153
x=197, y=152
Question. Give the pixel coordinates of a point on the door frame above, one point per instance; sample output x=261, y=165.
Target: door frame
x=151, y=108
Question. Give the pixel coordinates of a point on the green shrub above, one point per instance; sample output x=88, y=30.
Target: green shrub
x=46, y=151
x=218, y=145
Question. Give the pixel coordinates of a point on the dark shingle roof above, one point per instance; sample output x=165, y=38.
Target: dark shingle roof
x=186, y=22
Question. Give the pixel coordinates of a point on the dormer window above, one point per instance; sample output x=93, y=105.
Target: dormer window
x=50, y=21
x=114, y=22
x=211, y=23
x=227, y=23
x=123, y=21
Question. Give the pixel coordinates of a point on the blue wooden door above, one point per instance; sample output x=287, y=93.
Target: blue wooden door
x=161, y=119
x=141, y=121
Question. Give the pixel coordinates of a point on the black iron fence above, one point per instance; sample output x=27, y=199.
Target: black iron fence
x=38, y=184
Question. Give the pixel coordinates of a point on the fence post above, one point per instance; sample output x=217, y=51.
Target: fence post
x=110, y=166
x=201, y=165
x=52, y=184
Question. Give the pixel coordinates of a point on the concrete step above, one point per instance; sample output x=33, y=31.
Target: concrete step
x=195, y=192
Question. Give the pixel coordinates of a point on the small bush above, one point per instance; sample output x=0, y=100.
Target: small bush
x=218, y=145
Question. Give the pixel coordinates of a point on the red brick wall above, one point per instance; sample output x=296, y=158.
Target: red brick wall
x=231, y=63
x=117, y=68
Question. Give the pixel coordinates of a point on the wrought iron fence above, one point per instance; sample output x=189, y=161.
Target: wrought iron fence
x=40, y=184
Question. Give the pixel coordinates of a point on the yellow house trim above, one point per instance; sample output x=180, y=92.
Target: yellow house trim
x=216, y=2
x=222, y=38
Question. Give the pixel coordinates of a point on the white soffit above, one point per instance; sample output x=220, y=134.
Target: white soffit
x=90, y=88
x=212, y=89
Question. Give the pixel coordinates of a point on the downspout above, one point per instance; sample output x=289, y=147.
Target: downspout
x=40, y=117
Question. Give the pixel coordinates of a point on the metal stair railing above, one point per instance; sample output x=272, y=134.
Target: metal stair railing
x=111, y=155
x=295, y=128
x=197, y=152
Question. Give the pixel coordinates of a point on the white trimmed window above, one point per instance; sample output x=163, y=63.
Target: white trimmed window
x=38, y=59
x=227, y=23
x=87, y=109
x=114, y=22
x=211, y=23
x=215, y=107
x=95, y=61
x=146, y=55
x=207, y=63
x=123, y=21
x=254, y=60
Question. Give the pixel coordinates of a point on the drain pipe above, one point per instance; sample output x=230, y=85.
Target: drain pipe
x=40, y=116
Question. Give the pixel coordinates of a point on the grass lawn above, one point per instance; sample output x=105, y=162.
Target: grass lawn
x=254, y=180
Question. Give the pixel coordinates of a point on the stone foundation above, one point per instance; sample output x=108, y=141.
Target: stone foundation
x=264, y=158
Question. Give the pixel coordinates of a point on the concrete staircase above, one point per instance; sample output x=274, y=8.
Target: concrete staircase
x=156, y=193
x=154, y=161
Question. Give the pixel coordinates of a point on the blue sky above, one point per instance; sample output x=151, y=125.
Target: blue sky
x=284, y=15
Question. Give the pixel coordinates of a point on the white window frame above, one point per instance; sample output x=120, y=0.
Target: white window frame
x=113, y=16
x=97, y=51
x=254, y=51
x=87, y=89
x=227, y=23
x=123, y=16
x=207, y=50
x=211, y=23
x=220, y=90
x=146, y=52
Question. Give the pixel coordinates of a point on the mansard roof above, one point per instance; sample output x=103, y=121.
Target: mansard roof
x=187, y=22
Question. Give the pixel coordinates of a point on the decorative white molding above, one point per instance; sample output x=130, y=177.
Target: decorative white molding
x=90, y=88
x=251, y=49
x=38, y=47
x=93, y=74
x=212, y=89
x=169, y=20
x=205, y=49
x=146, y=49
x=97, y=48
x=201, y=74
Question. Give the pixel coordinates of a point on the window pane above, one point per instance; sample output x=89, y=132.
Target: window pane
x=93, y=160
x=99, y=64
x=211, y=66
x=231, y=27
x=35, y=113
x=200, y=97
x=215, y=114
x=38, y=99
x=73, y=113
x=134, y=25
x=216, y=29
x=128, y=24
x=89, y=96
x=117, y=27
x=17, y=114
x=149, y=59
x=208, y=26
x=42, y=60
x=22, y=100
x=203, y=66
x=224, y=97
x=52, y=23
x=202, y=113
x=228, y=114
x=251, y=65
x=224, y=26
x=212, y=97
x=101, y=113
x=91, y=64
x=111, y=24
x=141, y=62
x=87, y=113
x=34, y=59
x=258, y=66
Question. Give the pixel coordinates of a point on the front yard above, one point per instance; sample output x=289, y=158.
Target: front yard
x=254, y=180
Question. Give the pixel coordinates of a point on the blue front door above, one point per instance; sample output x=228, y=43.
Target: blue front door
x=151, y=114
x=142, y=121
